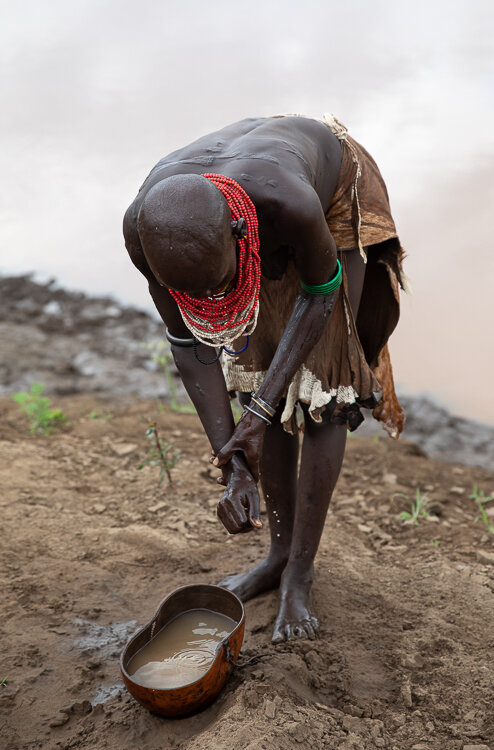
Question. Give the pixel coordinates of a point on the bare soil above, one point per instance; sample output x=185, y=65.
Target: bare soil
x=90, y=546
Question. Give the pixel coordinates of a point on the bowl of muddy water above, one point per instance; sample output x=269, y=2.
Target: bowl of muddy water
x=180, y=660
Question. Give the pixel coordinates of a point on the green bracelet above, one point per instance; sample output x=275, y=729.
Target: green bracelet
x=327, y=288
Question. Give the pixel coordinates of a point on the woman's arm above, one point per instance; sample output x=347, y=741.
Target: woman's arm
x=238, y=509
x=316, y=264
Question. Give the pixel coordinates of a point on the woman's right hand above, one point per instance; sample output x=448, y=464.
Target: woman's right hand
x=239, y=508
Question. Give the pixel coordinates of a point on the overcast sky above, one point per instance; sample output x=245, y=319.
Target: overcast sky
x=94, y=93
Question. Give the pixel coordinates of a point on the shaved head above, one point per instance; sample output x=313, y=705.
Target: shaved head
x=184, y=225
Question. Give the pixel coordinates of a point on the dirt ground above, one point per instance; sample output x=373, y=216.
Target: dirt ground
x=90, y=546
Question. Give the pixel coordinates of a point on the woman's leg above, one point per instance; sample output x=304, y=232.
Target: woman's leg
x=322, y=456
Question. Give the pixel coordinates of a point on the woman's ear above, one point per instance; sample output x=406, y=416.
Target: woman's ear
x=239, y=229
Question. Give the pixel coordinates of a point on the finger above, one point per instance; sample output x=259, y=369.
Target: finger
x=221, y=480
x=227, y=521
x=255, y=512
x=225, y=454
x=234, y=515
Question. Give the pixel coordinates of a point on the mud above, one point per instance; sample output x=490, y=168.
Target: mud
x=90, y=545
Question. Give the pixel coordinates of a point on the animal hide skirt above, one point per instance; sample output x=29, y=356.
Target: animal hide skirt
x=350, y=366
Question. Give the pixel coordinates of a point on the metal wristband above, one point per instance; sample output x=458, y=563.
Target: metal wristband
x=261, y=416
x=176, y=341
x=263, y=404
x=330, y=286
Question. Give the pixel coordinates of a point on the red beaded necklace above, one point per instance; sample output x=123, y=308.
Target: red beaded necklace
x=218, y=320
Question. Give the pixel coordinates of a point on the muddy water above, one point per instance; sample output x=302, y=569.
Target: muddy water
x=182, y=651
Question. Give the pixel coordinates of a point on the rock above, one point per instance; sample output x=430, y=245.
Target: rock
x=364, y=529
x=351, y=724
x=59, y=720
x=157, y=507
x=406, y=694
x=297, y=730
x=390, y=478
x=123, y=449
x=270, y=709
x=399, y=720
x=485, y=557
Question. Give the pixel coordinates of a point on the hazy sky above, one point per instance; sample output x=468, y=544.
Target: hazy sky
x=94, y=93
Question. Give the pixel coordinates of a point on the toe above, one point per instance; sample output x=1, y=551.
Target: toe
x=277, y=637
x=309, y=631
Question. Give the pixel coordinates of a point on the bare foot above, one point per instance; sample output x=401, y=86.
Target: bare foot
x=295, y=618
x=263, y=577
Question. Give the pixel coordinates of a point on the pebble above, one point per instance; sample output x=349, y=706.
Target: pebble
x=485, y=557
x=270, y=709
x=157, y=507
x=351, y=724
x=364, y=529
x=390, y=478
x=124, y=449
x=59, y=720
x=406, y=694
x=297, y=730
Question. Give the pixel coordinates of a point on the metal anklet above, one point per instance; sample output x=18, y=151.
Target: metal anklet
x=263, y=404
x=261, y=416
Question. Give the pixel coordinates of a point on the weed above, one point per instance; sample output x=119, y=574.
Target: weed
x=435, y=542
x=4, y=682
x=163, y=358
x=480, y=498
x=96, y=414
x=160, y=453
x=42, y=419
x=418, y=508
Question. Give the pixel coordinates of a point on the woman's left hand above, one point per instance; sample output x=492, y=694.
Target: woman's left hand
x=247, y=437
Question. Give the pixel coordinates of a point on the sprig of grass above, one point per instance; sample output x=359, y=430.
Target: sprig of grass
x=418, y=508
x=97, y=414
x=480, y=498
x=42, y=418
x=160, y=453
x=4, y=682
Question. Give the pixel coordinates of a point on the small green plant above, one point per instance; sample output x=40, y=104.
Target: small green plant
x=160, y=453
x=42, y=418
x=435, y=542
x=481, y=499
x=97, y=414
x=163, y=358
x=4, y=682
x=418, y=508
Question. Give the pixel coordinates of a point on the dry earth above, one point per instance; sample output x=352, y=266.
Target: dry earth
x=90, y=546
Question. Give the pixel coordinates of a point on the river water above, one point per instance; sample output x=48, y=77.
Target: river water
x=94, y=93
